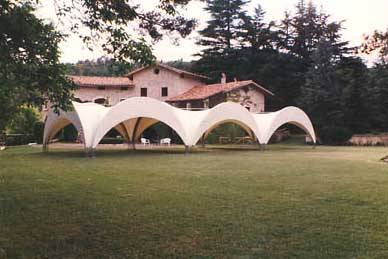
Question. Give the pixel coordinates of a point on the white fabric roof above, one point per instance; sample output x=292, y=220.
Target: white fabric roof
x=93, y=121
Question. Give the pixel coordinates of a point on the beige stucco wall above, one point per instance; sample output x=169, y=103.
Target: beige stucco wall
x=114, y=95
x=252, y=98
x=248, y=97
x=143, y=79
x=154, y=83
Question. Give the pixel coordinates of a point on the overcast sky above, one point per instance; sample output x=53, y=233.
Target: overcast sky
x=361, y=17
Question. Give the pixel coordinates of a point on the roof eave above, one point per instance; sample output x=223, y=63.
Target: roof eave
x=173, y=69
x=104, y=85
x=268, y=92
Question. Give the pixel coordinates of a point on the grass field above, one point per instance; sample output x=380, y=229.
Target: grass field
x=289, y=201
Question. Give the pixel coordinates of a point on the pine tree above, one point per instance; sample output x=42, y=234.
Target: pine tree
x=378, y=97
x=352, y=76
x=222, y=38
x=321, y=92
x=258, y=34
x=301, y=33
x=225, y=28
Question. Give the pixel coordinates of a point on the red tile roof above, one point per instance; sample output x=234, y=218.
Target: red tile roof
x=173, y=69
x=202, y=92
x=93, y=81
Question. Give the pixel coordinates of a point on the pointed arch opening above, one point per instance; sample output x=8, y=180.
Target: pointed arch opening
x=152, y=129
x=158, y=131
x=63, y=130
x=228, y=132
x=291, y=132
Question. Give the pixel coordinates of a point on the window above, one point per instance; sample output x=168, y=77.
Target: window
x=156, y=71
x=143, y=92
x=124, y=88
x=102, y=101
x=164, y=91
x=101, y=87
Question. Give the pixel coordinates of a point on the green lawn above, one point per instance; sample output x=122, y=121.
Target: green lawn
x=289, y=201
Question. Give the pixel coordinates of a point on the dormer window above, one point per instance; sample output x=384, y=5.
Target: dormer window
x=156, y=71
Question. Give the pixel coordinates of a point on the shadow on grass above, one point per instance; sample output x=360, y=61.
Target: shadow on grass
x=76, y=153
x=118, y=153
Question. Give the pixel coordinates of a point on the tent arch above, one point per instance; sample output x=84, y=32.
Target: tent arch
x=239, y=123
x=84, y=116
x=55, y=123
x=226, y=112
x=288, y=115
x=139, y=107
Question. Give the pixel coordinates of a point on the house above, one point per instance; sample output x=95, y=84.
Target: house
x=180, y=88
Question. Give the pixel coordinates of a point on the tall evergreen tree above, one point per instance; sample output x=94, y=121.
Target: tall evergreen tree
x=378, y=97
x=222, y=37
x=321, y=93
x=352, y=76
x=225, y=27
x=263, y=63
x=258, y=34
x=301, y=33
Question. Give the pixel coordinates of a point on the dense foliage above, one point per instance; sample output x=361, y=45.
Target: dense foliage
x=101, y=67
x=29, y=61
x=23, y=121
x=30, y=71
x=304, y=61
x=114, y=24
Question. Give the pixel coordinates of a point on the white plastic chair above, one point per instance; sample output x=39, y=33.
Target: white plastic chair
x=166, y=141
x=145, y=141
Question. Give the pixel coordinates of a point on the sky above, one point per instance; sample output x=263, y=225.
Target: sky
x=360, y=17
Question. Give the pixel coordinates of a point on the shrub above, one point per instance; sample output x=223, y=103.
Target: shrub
x=70, y=133
x=335, y=135
x=38, y=131
x=23, y=121
x=18, y=139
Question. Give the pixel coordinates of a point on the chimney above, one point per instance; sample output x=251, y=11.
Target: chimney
x=223, y=78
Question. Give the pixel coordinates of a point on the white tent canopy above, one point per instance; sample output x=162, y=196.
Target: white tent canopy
x=134, y=115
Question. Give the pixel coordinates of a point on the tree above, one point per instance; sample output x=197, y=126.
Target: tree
x=23, y=121
x=29, y=62
x=108, y=24
x=378, y=80
x=378, y=41
x=225, y=28
x=102, y=66
x=320, y=95
x=352, y=76
x=378, y=97
x=301, y=33
x=258, y=34
x=261, y=61
x=222, y=37
x=30, y=72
